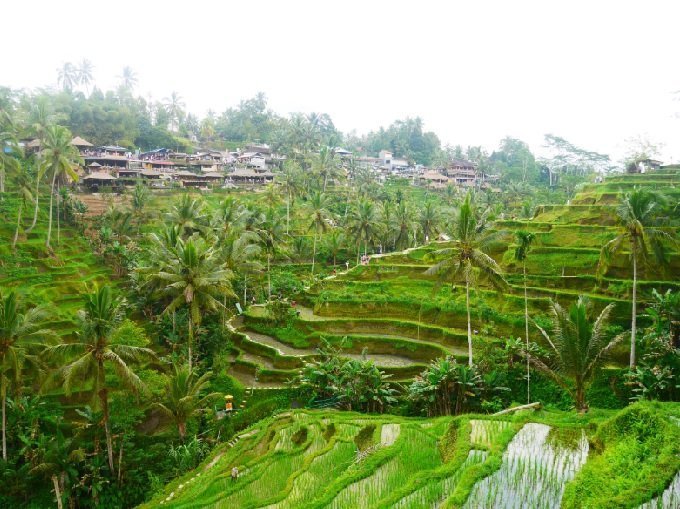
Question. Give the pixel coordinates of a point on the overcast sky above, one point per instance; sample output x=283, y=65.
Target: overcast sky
x=594, y=72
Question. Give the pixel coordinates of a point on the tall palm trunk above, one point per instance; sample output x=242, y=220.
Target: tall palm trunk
x=37, y=195
x=4, y=420
x=191, y=336
x=633, y=325
x=469, y=325
x=314, y=253
x=287, y=213
x=49, y=227
x=57, y=491
x=16, y=232
x=104, y=400
x=526, y=331
x=269, y=276
x=58, y=219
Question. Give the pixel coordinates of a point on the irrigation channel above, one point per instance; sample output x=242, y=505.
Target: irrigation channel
x=537, y=464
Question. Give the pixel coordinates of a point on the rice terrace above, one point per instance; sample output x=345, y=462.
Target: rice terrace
x=208, y=301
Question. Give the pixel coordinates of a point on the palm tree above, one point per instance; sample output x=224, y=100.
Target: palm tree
x=195, y=278
x=403, y=224
x=183, y=398
x=9, y=149
x=228, y=217
x=467, y=256
x=271, y=235
x=140, y=197
x=241, y=250
x=85, y=73
x=175, y=108
x=20, y=333
x=335, y=242
x=56, y=458
x=58, y=158
x=40, y=119
x=128, y=78
x=636, y=214
x=290, y=181
x=68, y=76
x=579, y=345
x=24, y=187
x=326, y=165
x=524, y=240
x=189, y=214
x=320, y=215
x=363, y=224
x=95, y=355
x=429, y=220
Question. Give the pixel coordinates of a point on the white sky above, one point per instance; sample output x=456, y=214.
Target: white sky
x=593, y=72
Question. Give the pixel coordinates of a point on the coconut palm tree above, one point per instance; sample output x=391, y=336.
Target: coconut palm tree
x=40, y=118
x=57, y=456
x=524, y=240
x=174, y=105
x=128, y=78
x=194, y=278
x=10, y=151
x=21, y=332
x=467, y=258
x=579, y=346
x=289, y=179
x=93, y=355
x=85, y=74
x=68, y=76
x=182, y=398
x=429, y=220
x=636, y=217
x=24, y=187
x=318, y=211
x=58, y=158
x=189, y=214
x=363, y=224
x=140, y=198
x=335, y=242
x=271, y=235
x=403, y=224
x=326, y=165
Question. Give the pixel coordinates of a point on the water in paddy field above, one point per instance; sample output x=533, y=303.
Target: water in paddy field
x=669, y=499
x=537, y=464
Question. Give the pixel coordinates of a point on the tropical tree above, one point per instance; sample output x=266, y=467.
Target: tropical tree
x=68, y=76
x=271, y=237
x=21, y=333
x=320, y=216
x=183, y=398
x=24, y=187
x=467, y=257
x=335, y=242
x=58, y=158
x=93, y=356
x=174, y=105
x=429, y=220
x=56, y=459
x=524, y=240
x=194, y=278
x=578, y=345
x=636, y=216
x=189, y=214
x=289, y=179
x=10, y=151
x=326, y=165
x=85, y=73
x=362, y=224
x=445, y=387
x=140, y=198
x=404, y=224
x=128, y=78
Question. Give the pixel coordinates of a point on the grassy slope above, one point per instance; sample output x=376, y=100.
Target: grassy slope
x=309, y=459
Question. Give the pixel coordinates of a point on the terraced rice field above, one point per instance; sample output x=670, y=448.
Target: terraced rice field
x=315, y=459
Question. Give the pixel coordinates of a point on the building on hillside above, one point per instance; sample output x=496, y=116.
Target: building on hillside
x=250, y=176
x=644, y=166
x=462, y=173
x=342, y=153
